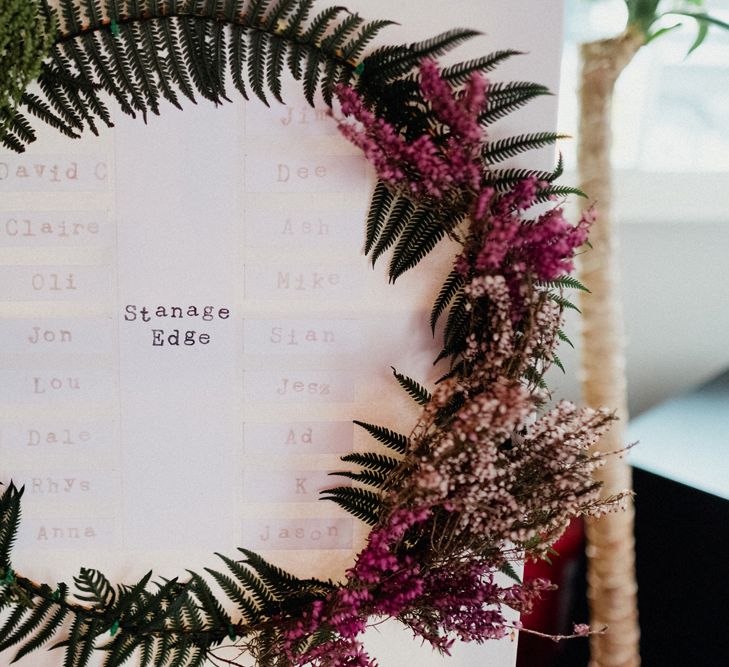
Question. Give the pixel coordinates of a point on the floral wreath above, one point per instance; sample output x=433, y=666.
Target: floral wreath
x=487, y=476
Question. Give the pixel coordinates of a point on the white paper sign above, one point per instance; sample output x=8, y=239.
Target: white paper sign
x=188, y=327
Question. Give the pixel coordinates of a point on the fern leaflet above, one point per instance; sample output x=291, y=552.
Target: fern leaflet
x=360, y=503
x=415, y=390
x=395, y=441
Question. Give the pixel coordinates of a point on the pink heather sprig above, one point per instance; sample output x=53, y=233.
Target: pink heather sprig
x=457, y=599
x=543, y=247
x=459, y=114
x=523, y=492
x=422, y=167
x=502, y=243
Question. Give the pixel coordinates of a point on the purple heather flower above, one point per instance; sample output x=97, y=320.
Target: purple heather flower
x=422, y=167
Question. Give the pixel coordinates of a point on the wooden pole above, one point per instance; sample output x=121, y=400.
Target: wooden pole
x=612, y=589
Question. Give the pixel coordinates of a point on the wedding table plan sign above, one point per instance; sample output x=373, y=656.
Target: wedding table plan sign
x=192, y=337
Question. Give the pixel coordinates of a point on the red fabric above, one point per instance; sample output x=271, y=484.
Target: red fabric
x=550, y=614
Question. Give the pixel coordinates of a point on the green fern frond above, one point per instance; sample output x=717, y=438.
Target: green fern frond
x=256, y=59
x=415, y=390
x=457, y=327
x=509, y=147
x=508, y=569
x=209, y=604
x=460, y=72
x=80, y=643
x=452, y=285
x=360, y=503
x=235, y=594
x=406, y=252
x=372, y=461
x=9, y=522
x=119, y=650
x=163, y=49
x=52, y=625
x=151, y=609
x=503, y=180
x=13, y=620
x=129, y=597
x=564, y=338
x=533, y=376
x=504, y=98
x=395, y=441
x=397, y=218
x=353, y=50
x=278, y=581
x=338, y=37
x=377, y=214
x=17, y=126
x=191, y=612
x=275, y=66
x=95, y=588
x=559, y=192
x=558, y=169
x=252, y=585
x=237, y=59
x=565, y=282
x=33, y=618
x=558, y=363
x=442, y=43
x=422, y=233
x=563, y=302
x=372, y=478
x=395, y=62
x=37, y=107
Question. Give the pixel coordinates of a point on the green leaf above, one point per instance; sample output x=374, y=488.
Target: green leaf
x=642, y=12
x=12, y=620
x=236, y=594
x=700, y=17
x=700, y=36
x=353, y=50
x=661, y=32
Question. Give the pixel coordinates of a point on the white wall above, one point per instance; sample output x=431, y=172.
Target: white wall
x=675, y=286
